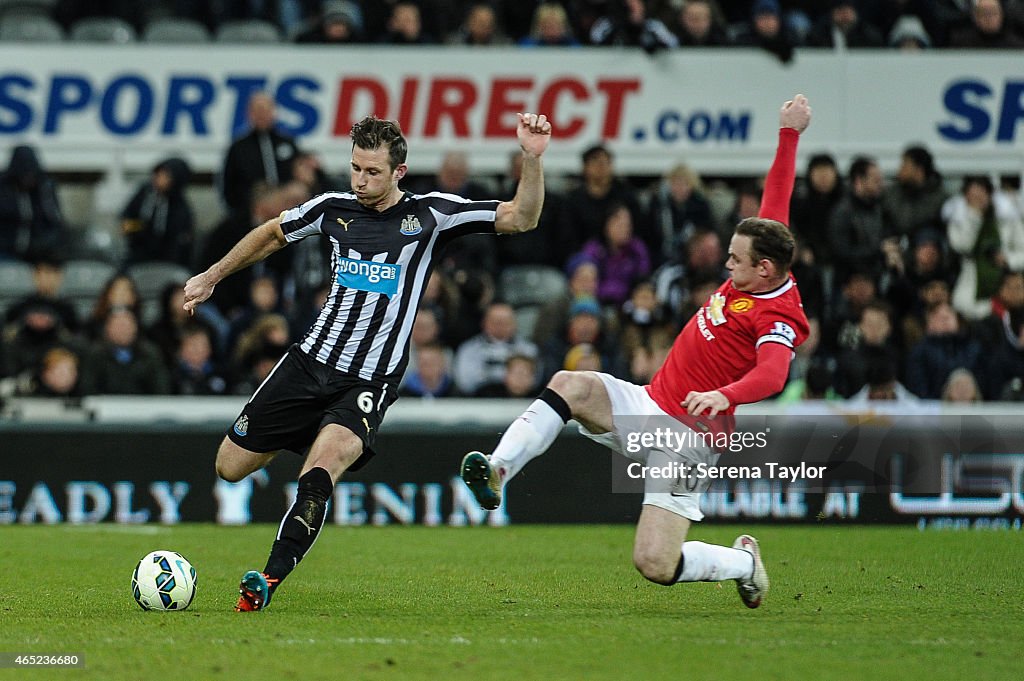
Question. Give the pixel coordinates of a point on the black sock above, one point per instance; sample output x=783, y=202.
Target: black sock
x=556, y=402
x=302, y=524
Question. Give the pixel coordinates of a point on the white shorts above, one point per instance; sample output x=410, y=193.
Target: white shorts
x=630, y=404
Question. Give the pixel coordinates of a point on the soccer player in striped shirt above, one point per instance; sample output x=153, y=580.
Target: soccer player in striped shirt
x=327, y=395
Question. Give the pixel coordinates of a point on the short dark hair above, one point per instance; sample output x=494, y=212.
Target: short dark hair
x=769, y=239
x=922, y=158
x=860, y=166
x=594, y=151
x=372, y=133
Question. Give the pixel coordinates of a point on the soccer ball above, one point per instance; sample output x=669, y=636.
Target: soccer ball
x=164, y=580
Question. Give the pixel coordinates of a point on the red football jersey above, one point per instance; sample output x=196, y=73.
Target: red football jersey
x=718, y=346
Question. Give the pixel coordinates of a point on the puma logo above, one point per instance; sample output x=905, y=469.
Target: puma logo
x=309, y=528
x=367, y=424
x=345, y=223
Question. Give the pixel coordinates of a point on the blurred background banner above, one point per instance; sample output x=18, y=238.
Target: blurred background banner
x=93, y=107
x=890, y=468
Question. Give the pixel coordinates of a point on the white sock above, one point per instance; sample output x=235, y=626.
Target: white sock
x=712, y=563
x=528, y=437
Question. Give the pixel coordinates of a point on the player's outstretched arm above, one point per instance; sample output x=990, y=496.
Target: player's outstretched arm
x=523, y=211
x=794, y=117
x=254, y=246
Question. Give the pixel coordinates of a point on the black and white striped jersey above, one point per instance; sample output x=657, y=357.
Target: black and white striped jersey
x=381, y=262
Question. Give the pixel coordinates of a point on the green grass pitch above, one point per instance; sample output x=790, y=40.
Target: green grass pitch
x=520, y=603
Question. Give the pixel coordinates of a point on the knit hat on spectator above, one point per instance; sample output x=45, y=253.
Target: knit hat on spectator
x=584, y=306
x=765, y=7
x=909, y=27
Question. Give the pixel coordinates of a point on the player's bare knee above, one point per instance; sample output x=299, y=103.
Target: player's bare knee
x=655, y=567
x=228, y=472
x=573, y=386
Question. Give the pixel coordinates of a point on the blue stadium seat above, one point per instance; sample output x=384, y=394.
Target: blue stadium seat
x=15, y=283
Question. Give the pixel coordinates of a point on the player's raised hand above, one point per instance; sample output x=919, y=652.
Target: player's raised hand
x=197, y=289
x=534, y=133
x=697, y=403
x=796, y=114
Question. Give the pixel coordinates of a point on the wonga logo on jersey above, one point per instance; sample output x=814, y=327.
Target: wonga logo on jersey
x=363, y=275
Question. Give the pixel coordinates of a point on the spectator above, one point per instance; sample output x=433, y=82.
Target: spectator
x=405, y=26
x=642, y=323
x=908, y=34
x=995, y=330
x=961, y=387
x=520, y=379
x=946, y=346
x=840, y=330
x=47, y=276
x=586, y=327
x=232, y=294
x=914, y=201
x=480, y=28
x=456, y=321
x=426, y=332
x=340, y=22
x=766, y=30
x=262, y=155
x=119, y=291
x=37, y=329
x=988, y=30
x=985, y=228
x=843, y=28
x=264, y=337
x=554, y=315
x=583, y=357
x=815, y=384
x=57, y=375
x=676, y=211
x=629, y=25
x=917, y=282
x=813, y=204
x=121, y=362
x=166, y=331
x=264, y=299
x=871, y=345
x=1006, y=361
x=158, y=221
x=481, y=359
x=697, y=26
x=195, y=371
x=882, y=386
x=586, y=207
x=31, y=222
x=257, y=365
x=701, y=263
x=622, y=259
x=550, y=28
x=431, y=377
x=858, y=224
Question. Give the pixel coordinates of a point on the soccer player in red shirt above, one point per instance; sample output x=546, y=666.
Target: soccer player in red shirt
x=735, y=350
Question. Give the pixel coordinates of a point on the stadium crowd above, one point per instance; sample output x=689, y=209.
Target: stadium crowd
x=778, y=26
x=914, y=285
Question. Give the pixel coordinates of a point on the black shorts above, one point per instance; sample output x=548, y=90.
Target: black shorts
x=300, y=396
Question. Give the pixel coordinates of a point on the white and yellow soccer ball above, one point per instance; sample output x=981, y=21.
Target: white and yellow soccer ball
x=164, y=580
